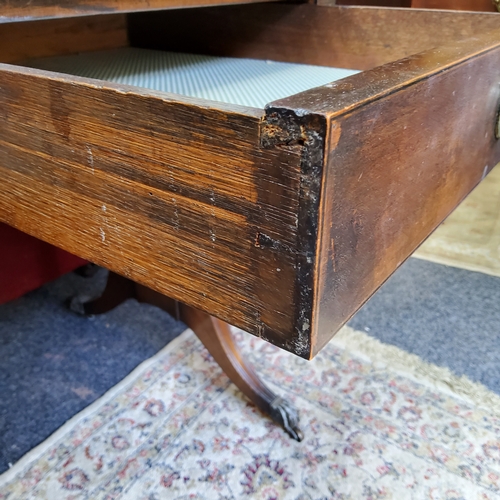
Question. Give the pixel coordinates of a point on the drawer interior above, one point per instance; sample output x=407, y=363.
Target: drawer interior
x=242, y=81
x=354, y=38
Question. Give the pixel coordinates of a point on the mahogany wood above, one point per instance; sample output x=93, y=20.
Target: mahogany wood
x=345, y=37
x=216, y=337
x=169, y=191
x=25, y=10
x=375, y=3
x=284, y=221
x=19, y=41
x=472, y=5
x=404, y=144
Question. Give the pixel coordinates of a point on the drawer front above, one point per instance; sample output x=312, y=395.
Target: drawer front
x=396, y=169
x=403, y=145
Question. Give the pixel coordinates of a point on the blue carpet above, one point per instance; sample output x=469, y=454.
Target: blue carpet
x=54, y=363
x=447, y=316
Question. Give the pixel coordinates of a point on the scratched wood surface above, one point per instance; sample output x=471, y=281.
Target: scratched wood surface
x=282, y=222
x=344, y=37
x=171, y=193
x=19, y=41
x=405, y=143
x=26, y=10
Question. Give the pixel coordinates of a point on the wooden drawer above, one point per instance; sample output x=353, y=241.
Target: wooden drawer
x=284, y=220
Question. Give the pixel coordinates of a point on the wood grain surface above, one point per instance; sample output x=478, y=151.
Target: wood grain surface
x=472, y=5
x=26, y=10
x=374, y=3
x=345, y=37
x=172, y=193
x=19, y=41
x=405, y=144
x=281, y=222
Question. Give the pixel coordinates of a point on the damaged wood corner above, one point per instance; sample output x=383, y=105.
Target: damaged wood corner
x=281, y=128
x=286, y=127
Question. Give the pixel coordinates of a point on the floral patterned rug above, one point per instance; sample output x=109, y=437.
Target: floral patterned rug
x=378, y=424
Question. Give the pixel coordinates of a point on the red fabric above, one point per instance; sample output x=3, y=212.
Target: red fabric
x=27, y=263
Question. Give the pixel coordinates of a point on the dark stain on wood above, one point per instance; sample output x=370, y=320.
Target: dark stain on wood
x=281, y=221
x=59, y=111
x=101, y=191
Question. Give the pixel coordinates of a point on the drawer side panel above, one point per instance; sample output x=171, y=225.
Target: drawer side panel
x=25, y=10
x=20, y=41
x=396, y=168
x=174, y=194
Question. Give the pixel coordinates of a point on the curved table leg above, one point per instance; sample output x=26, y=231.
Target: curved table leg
x=217, y=338
x=118, y=289
x=214, y=334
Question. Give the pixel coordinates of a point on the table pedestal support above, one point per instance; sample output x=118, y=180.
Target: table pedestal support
x=213, y=333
